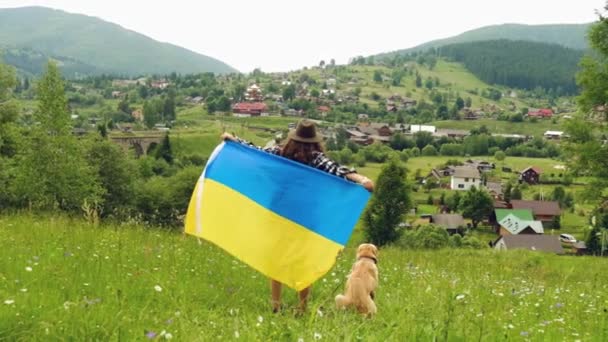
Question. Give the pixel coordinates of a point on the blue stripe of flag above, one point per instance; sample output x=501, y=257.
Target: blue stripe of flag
x=323, y=203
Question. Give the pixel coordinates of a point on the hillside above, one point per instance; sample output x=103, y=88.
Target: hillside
x=106, y=47
x=568, y=35
x=518, y=64
x=31, y=63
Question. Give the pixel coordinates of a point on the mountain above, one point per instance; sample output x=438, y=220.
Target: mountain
x=518, y=64
x=99, y=45
x=568, y=35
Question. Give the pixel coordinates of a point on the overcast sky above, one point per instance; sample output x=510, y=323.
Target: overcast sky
x=282, y=35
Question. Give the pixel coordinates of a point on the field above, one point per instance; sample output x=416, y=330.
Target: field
x=536, y=129
x=63, y=279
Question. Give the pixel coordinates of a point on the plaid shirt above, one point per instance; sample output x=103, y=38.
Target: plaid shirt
x=320, y=160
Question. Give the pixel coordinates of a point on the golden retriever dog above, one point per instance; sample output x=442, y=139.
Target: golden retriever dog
x=362, y=282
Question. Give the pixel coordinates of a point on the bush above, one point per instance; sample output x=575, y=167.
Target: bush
x=451, y=149
x=164, y=200
x=429, y=151
x=425, y=237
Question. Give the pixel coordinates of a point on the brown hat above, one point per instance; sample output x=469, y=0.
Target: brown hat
x=306, y=132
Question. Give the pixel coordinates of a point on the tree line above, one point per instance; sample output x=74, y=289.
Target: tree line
x=518, y=64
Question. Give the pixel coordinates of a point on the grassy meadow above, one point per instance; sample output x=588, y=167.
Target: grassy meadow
x=62, y=279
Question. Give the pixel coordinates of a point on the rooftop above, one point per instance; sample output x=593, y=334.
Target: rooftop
x=543, y=208
x=449, y=221
x=543, y=243
x=522, y=214
x=466, y=172
x=515, y=225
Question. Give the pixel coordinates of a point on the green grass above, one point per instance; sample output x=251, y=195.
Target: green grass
x=536, y=129
x=62, y=279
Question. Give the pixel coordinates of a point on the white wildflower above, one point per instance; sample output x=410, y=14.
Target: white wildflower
x=300, y=339
x=29, y=269
x=9, y=302
x=168, y=336
x=510, y=326
x=317, y=336
x=260, y=319
x=23, y=290
x=157, y=288
x=236, y=334
x=460, y=297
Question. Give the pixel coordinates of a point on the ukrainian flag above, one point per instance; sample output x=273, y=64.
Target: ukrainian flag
x=283, y=218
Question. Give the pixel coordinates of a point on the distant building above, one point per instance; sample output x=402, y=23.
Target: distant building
x=422, y=128
x=530, y=175
x=540, y=113
x=541, y=243
x=464, y=178
x=544, y=211
x=513, y=225
x=249, y=108
x=137, y=115
x=453, y=223
x=254, y=93
x=162, y=84
x=554, y=135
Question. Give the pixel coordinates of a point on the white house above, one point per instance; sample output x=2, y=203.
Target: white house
x=554, y=135
x=423, y=128
x=464, y=178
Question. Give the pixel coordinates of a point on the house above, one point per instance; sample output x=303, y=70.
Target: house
x=422, y=128
x=453, y=223
x=249, y=108
x=116, y=94
x=451, y=133
x=464, y=178
x=481, y=165
x=542, y=243
x=544, y=211
x=471, y=115
x=513, y=225
x=383, y=129
x=363, y=117
x=500, y=212
x=137, y=115
x=323, y=109
x=253, y=93
x=408, y=103
x=540, y=113
x=293, y=112
x=530, y=175
x=495, y=190
x=160, y=84
x=554, y=135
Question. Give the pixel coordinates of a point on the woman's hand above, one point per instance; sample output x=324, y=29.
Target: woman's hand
x=227, y=136
x=367, y=183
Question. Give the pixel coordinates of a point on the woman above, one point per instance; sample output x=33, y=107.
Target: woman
x=304, y=145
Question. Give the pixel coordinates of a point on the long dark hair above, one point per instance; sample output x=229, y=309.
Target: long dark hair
x=300, y=151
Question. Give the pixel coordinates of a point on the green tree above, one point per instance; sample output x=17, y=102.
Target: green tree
x=476, y=205
x=164, y=150
x=500, y=156
x=429, y=151
x=377, y=76
x=52, y=111
x=507, y=192
x=418, y=81
x=592, y=78
x=468, y=102
x=459, y=103
x=388, y=205
x=53, y=171
x=116, y=174
x=289, y=92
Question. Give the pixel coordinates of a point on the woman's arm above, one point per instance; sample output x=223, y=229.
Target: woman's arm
x=323, y=163
x=367, y=183
x=227, y=136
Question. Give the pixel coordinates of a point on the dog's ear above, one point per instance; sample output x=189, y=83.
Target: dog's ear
x=375, y=250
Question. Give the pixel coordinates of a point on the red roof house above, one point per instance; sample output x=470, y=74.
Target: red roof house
x=540, y=113
x=251, y=108
x=323, y=109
